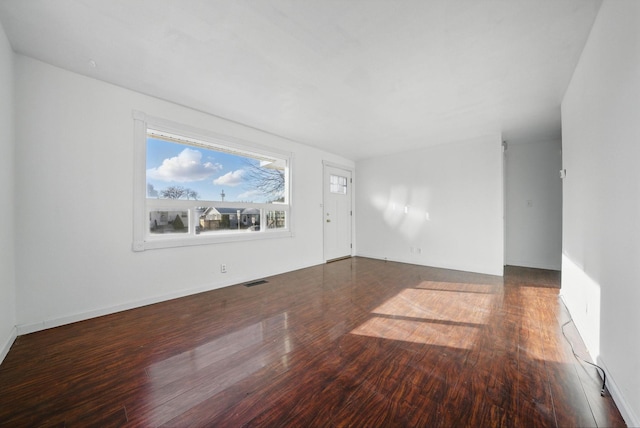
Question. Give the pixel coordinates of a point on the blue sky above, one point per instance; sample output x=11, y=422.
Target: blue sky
x=208, y=172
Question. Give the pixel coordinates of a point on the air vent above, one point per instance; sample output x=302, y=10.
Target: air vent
x=251, y=284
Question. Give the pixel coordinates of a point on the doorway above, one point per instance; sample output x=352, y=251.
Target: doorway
x=533, y=205
x=337, y=212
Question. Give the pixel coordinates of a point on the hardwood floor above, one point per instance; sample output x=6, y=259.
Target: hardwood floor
x=357, y=342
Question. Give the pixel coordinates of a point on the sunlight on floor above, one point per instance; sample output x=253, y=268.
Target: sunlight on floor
x=459, y=286
x=434, y=317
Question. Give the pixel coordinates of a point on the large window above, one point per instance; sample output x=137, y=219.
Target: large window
x=194, y=187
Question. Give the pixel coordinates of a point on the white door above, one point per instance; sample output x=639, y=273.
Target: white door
x=337, y=213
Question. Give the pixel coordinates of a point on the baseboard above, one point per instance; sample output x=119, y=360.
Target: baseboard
x=534, y=264
x=8, y=343
x=82, y=316
x=628, y=414
x=498, y=271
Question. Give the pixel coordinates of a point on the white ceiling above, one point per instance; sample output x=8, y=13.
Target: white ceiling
x=360, y=78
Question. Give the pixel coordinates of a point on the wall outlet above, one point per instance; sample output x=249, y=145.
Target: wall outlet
x=223, y=268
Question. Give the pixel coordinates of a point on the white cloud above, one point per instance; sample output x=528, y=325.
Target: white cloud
x=232, y=179
x=250, y=195
x=185, y=167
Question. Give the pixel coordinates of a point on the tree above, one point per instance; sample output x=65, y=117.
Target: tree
x=178, y=224
x=192, y=194
x=269, y=181
x=151, y=191
x=177, y=192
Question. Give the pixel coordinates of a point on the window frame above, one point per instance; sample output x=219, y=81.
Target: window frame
x=142, y=205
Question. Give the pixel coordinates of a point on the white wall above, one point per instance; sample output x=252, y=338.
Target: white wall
x=459, y=185
x=533, y=197
x=601, y=224
x=7, y=271
x=74, y=177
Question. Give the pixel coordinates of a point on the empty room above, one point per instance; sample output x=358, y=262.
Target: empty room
x=320, y=213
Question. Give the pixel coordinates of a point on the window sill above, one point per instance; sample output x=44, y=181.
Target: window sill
x=159, y=242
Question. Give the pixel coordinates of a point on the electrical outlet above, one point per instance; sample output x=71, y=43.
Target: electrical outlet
x=223, y=268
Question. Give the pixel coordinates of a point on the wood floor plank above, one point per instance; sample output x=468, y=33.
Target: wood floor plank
x=358, y=342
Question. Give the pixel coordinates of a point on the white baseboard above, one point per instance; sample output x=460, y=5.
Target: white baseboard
x=627, y=412
x=534, y=264
x=498, y=271
x=82, y=316
x=8, y=343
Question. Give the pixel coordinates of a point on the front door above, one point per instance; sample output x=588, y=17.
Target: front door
x=337, y=213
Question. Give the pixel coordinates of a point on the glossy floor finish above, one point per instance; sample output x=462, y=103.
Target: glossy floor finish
x=357, y=342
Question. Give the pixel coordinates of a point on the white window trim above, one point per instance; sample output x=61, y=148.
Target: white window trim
x=143, y=240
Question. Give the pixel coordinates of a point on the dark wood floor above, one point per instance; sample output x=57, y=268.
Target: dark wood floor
x=358, y=342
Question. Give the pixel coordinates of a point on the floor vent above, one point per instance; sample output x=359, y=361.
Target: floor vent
x=251, y=284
